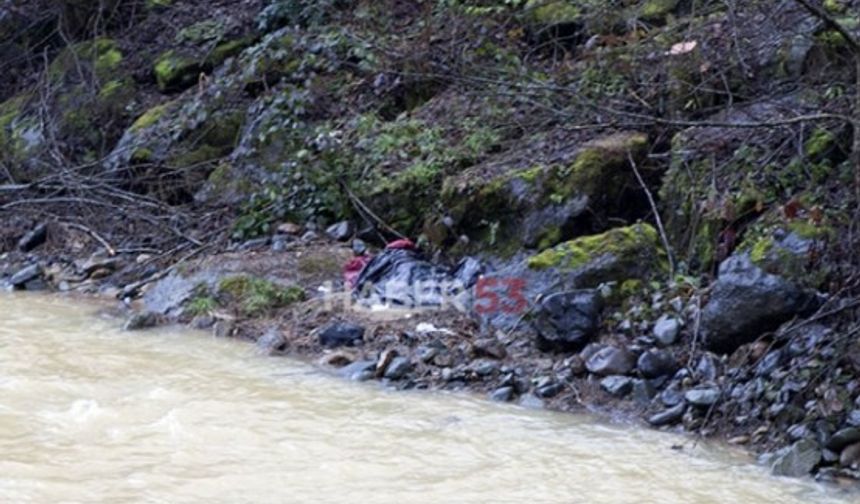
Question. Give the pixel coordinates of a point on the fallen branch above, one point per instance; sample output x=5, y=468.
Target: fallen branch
x=94, y=235
x=663, y=237
x=364, y=209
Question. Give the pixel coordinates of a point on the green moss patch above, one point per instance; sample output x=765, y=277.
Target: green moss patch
x=626, y=244
x=553, y=13
x=255, y=296
x=149, y=117
x=174, y=72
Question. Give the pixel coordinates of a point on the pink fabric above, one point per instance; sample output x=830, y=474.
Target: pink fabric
x=352, y=269
x=403, y=243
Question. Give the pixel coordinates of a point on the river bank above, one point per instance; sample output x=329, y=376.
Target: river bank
x=628, y=375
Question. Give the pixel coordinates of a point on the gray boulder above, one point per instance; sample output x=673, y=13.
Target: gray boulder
x=341, y=334
x=502, y=394
x=657, y=363
x=34, y=238
x=358, y=371
x=25, y=275
x=666, y=330
x=611, y=361
x=566, y=321
x=746, y=302
x=399, y=368
x=796, y=460
x=703, y=396
x=617, y=386
x=143, y=320
x=272, y=342
x=668, y=416
x=340, y=231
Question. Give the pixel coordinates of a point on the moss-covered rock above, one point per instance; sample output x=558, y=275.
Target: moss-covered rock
x=178, y=69
x=623, y=257
x=85, y=105
x=177, y=144
x=794, y=249
x=657, y=10
x=174, y=72
x=617, y=255
x=554, y=12
x=542, y=204
x=722, y=178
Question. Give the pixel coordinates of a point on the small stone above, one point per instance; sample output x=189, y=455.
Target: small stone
x=201, y=322
x=611, y=361
x=706, y=369
x=340, y=231
x=338, y=359
x=447, y=374
x=222, y=329
x=272, y=342
x=807, y=338
x=280, y=243
x=829, y=457
x=850, y=456
x=358, y=370
x=798, y=432
x=843, y=438
x=140, y=321
x=398, y=368
x=485, y=368
x=531, y=401
x=666, y=330
x=702, y=396
x=489, y=347
x=426, y=353
x=577, y=365
x=341, y=334
x=502, y=394
x=854, y=418
x=657, y=363
x=672, y=395
x=549, y=390
x=289, y=228
x=25, y=275
x=34, y=238
x=668, y=417
x=309, y=236
x=443, y=359
x=359, y=248
x=617, y=386
x=769, y=364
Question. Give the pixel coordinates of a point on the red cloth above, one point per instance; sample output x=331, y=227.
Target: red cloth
x=353, y=268
x=403, y=243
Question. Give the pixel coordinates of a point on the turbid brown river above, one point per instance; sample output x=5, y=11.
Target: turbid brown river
x=91, y=414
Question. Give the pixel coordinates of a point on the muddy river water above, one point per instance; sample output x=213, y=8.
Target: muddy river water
x=91, y=414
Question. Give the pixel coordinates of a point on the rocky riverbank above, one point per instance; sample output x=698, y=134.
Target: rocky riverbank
x=646, y=209
x=650, y=358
